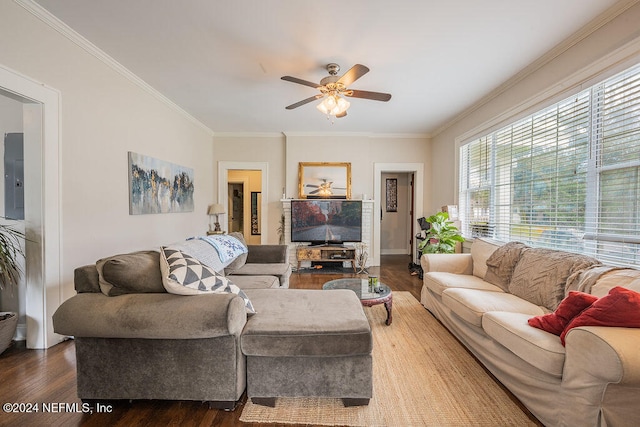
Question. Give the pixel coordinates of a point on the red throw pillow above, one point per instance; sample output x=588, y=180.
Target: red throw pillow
x=621, y=307
x=569, y=308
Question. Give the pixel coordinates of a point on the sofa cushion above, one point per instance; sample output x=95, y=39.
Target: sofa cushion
x=256, y=282
x=471, y=304
x=621, y=308
x=535, y=346
x=278, y=270
x=136, y=272
x=438, y=281
x=241, y=259
x=303, y=322
x=502, y=262
x=481, y=250
x=541, y=275
x=569, y=308
x=182, y=274
x=87, y=279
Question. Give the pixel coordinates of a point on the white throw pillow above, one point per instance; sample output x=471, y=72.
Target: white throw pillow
x=481, y=250
x=183, y=274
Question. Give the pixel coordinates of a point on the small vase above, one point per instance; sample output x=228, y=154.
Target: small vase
x=8, y=325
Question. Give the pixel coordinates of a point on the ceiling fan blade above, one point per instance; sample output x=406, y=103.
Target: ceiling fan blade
x=300, y=81
x=376, y=96
x=304, y=101
x=353, y=74
x=315, y=191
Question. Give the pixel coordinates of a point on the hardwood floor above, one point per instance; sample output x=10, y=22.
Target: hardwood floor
x=48, y=377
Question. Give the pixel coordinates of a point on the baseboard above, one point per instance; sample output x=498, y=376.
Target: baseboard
x=394, y=252
x=21, y=332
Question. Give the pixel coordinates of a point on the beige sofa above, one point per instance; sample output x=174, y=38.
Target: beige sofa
x=592, y=381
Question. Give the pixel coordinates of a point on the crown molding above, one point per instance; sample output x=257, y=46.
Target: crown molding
x=594, y=25
x=359, y=134
x=401, y=135
x=45, y=16
x=248, y=135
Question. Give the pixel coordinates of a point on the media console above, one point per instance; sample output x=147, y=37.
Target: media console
x=326, y=253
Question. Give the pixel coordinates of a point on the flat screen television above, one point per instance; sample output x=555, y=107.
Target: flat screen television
x=328, y=221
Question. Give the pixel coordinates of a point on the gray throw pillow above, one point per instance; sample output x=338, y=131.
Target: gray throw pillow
x=133, y=273
x=237, y=263
x=502, y=262
x=541, y=275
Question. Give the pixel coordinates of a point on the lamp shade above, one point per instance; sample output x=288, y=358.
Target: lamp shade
x=215, y=209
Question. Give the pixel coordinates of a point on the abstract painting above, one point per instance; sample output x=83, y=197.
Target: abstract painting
x=157, y=186
x=392, y=195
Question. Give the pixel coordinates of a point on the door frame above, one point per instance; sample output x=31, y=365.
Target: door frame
x=418, y=208
x=224, y=167
x=44, y=294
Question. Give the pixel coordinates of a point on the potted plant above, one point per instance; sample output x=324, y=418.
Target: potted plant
x=10, y=254
x=442, y=235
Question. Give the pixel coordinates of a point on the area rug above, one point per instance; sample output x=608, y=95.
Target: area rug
x=422, y=376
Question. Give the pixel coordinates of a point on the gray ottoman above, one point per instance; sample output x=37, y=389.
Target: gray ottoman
x=307, y=343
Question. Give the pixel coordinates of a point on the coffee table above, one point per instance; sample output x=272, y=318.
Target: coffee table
x=361, y=288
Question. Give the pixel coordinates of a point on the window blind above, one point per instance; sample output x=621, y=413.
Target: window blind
x=566, y=177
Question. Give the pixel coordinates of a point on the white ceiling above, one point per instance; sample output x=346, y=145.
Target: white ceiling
x=221, y=61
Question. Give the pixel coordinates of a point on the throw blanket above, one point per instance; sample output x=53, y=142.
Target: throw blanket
x=228, y=247
x=589, y=277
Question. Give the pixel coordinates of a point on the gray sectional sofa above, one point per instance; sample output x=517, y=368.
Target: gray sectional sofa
x=486, y=301
x=134, y=340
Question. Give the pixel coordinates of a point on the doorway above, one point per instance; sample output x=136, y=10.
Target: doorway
x=396, y=213
x=255, y=179
x=416, y=207
x=236, y=207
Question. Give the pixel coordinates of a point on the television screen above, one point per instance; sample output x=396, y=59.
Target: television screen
x=326, y=221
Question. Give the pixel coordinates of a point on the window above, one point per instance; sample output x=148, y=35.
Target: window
x=566, y=177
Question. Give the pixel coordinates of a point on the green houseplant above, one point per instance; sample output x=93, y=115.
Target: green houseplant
x=442, y=235
x=10, y=254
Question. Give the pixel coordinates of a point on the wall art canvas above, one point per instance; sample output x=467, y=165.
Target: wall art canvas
x=256, y=201
x=392, y=195
x=157, y=186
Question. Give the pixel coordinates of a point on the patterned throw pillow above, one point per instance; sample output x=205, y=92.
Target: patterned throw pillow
x=183, y=274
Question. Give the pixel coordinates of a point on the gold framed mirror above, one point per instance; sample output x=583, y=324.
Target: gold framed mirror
x=324, y=180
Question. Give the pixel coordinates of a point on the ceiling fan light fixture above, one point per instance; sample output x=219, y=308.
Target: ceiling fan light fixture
x=333, y=105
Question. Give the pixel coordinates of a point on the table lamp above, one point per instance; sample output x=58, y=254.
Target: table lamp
x=215, y=209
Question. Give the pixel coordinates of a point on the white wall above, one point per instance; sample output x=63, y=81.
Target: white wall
x=103, y=116
x=362, y=151
x=608, y=48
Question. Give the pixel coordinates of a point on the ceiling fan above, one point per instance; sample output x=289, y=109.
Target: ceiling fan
x=332, y=88
x=324, y=188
